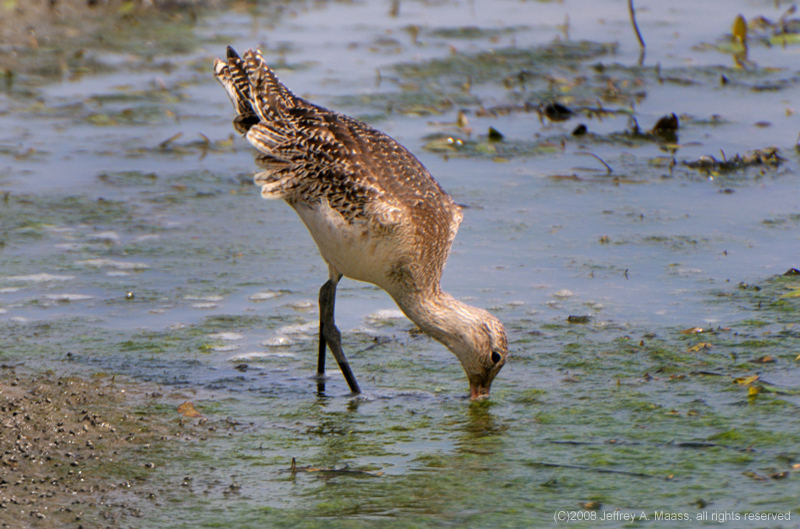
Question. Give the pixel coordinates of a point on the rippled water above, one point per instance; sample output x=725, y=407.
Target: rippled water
x=152, y=255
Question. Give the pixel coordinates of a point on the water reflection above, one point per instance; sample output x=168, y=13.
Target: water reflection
x=481, y=428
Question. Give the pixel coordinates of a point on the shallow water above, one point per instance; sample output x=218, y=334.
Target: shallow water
x=153, y=256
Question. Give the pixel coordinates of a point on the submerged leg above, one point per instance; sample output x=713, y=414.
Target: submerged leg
x=322, y=343
x=330, y=335
x=322, y=347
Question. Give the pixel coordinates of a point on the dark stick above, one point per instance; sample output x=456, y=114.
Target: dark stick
x=609, y=170
x=632, y=12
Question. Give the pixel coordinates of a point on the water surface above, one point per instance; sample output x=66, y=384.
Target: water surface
x=151, y=255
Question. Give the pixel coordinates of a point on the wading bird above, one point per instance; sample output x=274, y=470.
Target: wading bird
x=373, y=209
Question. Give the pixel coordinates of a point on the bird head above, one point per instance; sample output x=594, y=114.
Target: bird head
x=480, y=343
x=490, y=355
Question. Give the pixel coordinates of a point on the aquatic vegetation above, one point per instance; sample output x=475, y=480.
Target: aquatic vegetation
x=494, y=65
x=768, y=157
x=474, y=32
x=488, y=146
x=408, y=102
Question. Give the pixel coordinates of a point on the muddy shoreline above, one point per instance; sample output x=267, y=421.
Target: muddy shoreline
x=80, y=452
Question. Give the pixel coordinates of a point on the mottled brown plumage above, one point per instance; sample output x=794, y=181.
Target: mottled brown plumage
x=373, y=209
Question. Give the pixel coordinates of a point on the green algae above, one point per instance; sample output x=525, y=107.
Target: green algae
x=498, y=63
x=474, y=32
x=411, y=101
x=27, y=215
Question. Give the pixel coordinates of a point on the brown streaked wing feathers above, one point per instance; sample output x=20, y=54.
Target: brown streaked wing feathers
x=316, y=153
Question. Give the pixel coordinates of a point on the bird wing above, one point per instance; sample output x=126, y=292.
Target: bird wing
x=308, y=152
x=302, y=158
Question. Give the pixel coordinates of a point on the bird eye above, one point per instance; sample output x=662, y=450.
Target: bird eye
x=496, y=357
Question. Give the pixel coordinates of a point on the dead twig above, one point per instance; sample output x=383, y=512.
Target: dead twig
x=294, y=469
x=632, y=12
x=767, y=157
x=164, y=144
x=608, y=167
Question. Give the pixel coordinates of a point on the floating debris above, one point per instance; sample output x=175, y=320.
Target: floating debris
x=666, y=127
x=495, y=135
x=766, y=359
x=739, y=30
x=579, y=319
x=461, y=121
x=767, y=157
x=665, y=130
x=187, y=409
x=781, y=32
x=580, y=130
x=554, y=111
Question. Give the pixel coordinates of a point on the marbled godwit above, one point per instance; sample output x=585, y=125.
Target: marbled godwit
x=373, y=209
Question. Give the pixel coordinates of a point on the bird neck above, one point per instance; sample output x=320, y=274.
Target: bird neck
x=442, y=317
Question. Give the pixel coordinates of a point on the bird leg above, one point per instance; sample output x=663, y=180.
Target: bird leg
x=330, y=335
x=321, y=359
x=322, y=343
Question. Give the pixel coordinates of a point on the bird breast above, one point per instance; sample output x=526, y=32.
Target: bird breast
x=351, y=247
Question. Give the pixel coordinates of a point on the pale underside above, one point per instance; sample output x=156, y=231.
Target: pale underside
x=352, y=248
